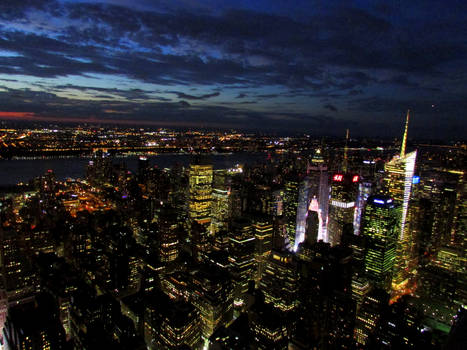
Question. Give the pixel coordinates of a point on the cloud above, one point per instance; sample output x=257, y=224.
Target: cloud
x=331, y=107
x=193, y=97
x=146, y=45
x=268, y=95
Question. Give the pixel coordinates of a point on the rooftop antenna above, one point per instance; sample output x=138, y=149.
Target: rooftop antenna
x=404, y=139
x=344, y=164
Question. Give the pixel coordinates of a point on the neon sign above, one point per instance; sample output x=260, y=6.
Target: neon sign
x=338, y=177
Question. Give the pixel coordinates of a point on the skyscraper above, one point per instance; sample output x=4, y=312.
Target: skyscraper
x=279, y=282
x=302, y=211
x=319, y=192
x=221, y=208
x=344, y=190
x=380, y=227
x=200, y=189
x=398, y=185
x=241, y=256
x=291, y=197
x=263, y=244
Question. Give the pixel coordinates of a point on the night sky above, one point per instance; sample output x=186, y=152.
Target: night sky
x=316, y=67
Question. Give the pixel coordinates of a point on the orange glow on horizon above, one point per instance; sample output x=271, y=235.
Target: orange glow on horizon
x=14, y=115
x=32, y=116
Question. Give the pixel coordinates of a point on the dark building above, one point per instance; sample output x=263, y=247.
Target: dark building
x=170, y=324
x=34, y=325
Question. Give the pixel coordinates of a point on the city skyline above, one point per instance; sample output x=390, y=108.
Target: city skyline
x=285, y=243
x=318, y=68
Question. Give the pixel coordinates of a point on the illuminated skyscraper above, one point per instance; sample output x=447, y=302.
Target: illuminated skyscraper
x=221, y=208
x=200, y=196
x=280, y=281
x=369, y=315
x=168, y=232
x=241, y=256
x=319, y=192
x=310, y=194
x=364, y=191
x=170, y=324
x=380, y=227
x=302, y=211
x=220, y=212
x=344, y=190
x=212, y=296
x=291, y=197
x=263, y=244
x=398, y=185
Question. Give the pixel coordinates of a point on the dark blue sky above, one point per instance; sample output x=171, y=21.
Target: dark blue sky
x=309, y=66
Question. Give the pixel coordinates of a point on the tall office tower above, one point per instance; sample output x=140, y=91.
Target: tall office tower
x=34, y=327
x=364, y=191
x=459, y=230
x=360, y=289
x=81, y=236
x=178, y=196
x=302, y=212
x=269, y=327
x=435, y=194
x=258, y=198
x=398, y=185
x=380, y=228
x=344, y=190
x=438, y=291
x=99, y=169
x=143, y=169
x=279, y=282
x=199, y=206
x=305, y=249
x=51, y=270
x=291, y=197
x=168, y=235
x=120, y=268
x=263, y=245
x=211, y=294
x=369, y=315
x=242, y=257
x=220, y=212
x=326, y=311
x=312, y=227
x=319, y=192
x=20, y=278
x=277, y=203
x=200, y=193
x=170, y=324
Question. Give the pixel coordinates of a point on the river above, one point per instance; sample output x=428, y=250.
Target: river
x=15, y=171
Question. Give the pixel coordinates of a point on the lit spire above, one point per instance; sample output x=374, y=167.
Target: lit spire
x=344, y=163
x=404, y=139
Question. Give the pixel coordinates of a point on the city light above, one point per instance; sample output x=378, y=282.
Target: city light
x=208, y=175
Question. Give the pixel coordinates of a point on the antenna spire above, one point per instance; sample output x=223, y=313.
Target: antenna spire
x=404, y=139
x=344, y=164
